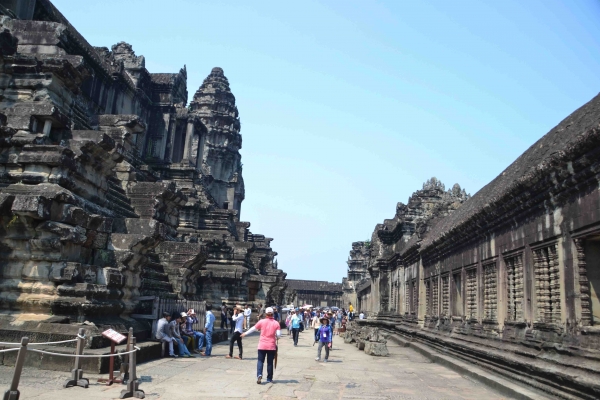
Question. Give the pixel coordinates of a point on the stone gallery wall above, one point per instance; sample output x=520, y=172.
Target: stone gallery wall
x=507, y=278
x=110, y=187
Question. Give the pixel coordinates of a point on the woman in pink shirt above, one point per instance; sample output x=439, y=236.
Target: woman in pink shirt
x=267, y=344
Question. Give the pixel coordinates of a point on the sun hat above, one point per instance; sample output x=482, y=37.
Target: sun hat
x=269, y=310
x=238, y=307
x=323, y=318
x=184, y=314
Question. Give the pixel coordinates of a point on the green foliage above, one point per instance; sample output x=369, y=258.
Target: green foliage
x=367, y=244
x=13, y=220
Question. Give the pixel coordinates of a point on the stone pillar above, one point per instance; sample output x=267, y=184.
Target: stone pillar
x=47, y=127
x=188, y=141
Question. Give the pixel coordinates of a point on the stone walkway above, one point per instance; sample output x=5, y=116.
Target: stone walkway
x=350, y=374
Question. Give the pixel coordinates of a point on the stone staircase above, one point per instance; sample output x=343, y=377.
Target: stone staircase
x=118, y=200
x=155, y=282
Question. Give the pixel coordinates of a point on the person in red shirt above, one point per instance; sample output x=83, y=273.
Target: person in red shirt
x=267, y=344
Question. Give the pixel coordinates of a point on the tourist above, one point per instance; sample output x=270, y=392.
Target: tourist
x=267, y=344
x=188, y=339
x=316, y=324
x=189, y=330
x=261, y=311
x=295, y=322
x=176, y=335
x=238, y=318
x=325, y=337
x=350, y=312
x=275, y=313
x=247, y=314
x=230, y=312
x=361, y=315
x=338, y=323
x=331, y=319
x=288, y=323
x=163, y=332
x=208, y=330
x=224, y=315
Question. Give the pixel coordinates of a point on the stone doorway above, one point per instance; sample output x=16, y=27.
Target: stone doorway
x=592, y=260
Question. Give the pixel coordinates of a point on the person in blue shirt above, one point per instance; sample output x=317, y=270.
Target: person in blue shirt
x=208, y=330
x=325, y=336
x=295, y=322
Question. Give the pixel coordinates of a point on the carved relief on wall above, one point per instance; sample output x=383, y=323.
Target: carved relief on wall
x=415, y=299
x=514, y=286
x=490, y=292
x=584, y=284
x=435, y=295
x=428, y=297
x=471, y=293
x=446, y=296
x=547, y=284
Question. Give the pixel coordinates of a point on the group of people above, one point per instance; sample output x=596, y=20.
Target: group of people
x=178, y=328
x=324, y=323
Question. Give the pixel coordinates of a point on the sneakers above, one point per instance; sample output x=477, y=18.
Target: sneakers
x=258, y=379
x=317, y=359
x=269, y=381
x=325, y=360
x=172, y=355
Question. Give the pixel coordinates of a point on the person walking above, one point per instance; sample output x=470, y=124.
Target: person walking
x=316, y=324
x=267, y=344
x=238, y=318
x=295, y=322
x=261, y=311
x=208, y=330
x=325, y=336
x=163, y=333
x=247, y=314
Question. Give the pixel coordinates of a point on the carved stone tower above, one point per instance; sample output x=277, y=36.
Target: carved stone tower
x=219, y=155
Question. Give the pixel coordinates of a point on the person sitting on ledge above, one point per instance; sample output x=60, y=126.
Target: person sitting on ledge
x=163, y=333
x=176, y=335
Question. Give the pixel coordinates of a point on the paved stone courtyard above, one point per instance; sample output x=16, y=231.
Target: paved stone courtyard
x=350, y=374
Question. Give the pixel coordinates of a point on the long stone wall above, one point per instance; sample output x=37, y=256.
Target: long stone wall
x=111, y=188
x=507, y=278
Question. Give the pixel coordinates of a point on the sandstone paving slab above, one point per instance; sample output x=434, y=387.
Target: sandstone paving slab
x=350, y=374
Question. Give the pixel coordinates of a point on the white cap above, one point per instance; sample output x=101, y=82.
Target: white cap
x=269, y=310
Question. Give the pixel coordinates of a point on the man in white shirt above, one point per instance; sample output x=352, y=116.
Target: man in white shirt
x=163, y=332
x=238, y=319
x=361, y=315
x=247, y=313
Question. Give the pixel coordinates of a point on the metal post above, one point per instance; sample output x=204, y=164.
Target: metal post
x=125, y=364
x=77, y=378
x=133, y=386
x=13, y=393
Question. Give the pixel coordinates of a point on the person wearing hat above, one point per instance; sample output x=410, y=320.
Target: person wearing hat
x=238, y=319
x=267, y=344
x=325, y=335
x=176, y=334
x=331, y=319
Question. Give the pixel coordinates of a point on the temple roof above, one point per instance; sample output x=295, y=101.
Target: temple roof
x=569, y=139
x=318, y=286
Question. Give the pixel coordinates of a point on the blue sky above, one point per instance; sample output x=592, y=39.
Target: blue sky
x=347, y=107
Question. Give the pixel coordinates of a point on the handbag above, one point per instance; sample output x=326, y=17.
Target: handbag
x=301, y=326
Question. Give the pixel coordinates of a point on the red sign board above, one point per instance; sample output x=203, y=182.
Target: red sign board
x=113, y=335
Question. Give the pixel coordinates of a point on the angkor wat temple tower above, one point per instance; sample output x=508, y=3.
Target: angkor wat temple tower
x=221, y=161
x=110, y=187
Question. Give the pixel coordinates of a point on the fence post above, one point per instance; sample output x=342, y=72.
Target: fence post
x=133, y=386
x=13, y=393
x=125, y=364
x=77, y=378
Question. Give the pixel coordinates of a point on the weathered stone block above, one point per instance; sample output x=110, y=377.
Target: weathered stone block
x=376, y=349
x=36, y=207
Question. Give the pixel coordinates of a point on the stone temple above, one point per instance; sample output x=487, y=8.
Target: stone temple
x=111, y=187
x=508, y=279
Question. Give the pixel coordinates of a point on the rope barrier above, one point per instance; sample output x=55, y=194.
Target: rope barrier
x=41, y=344
x=85, y=355
x=7, y=350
